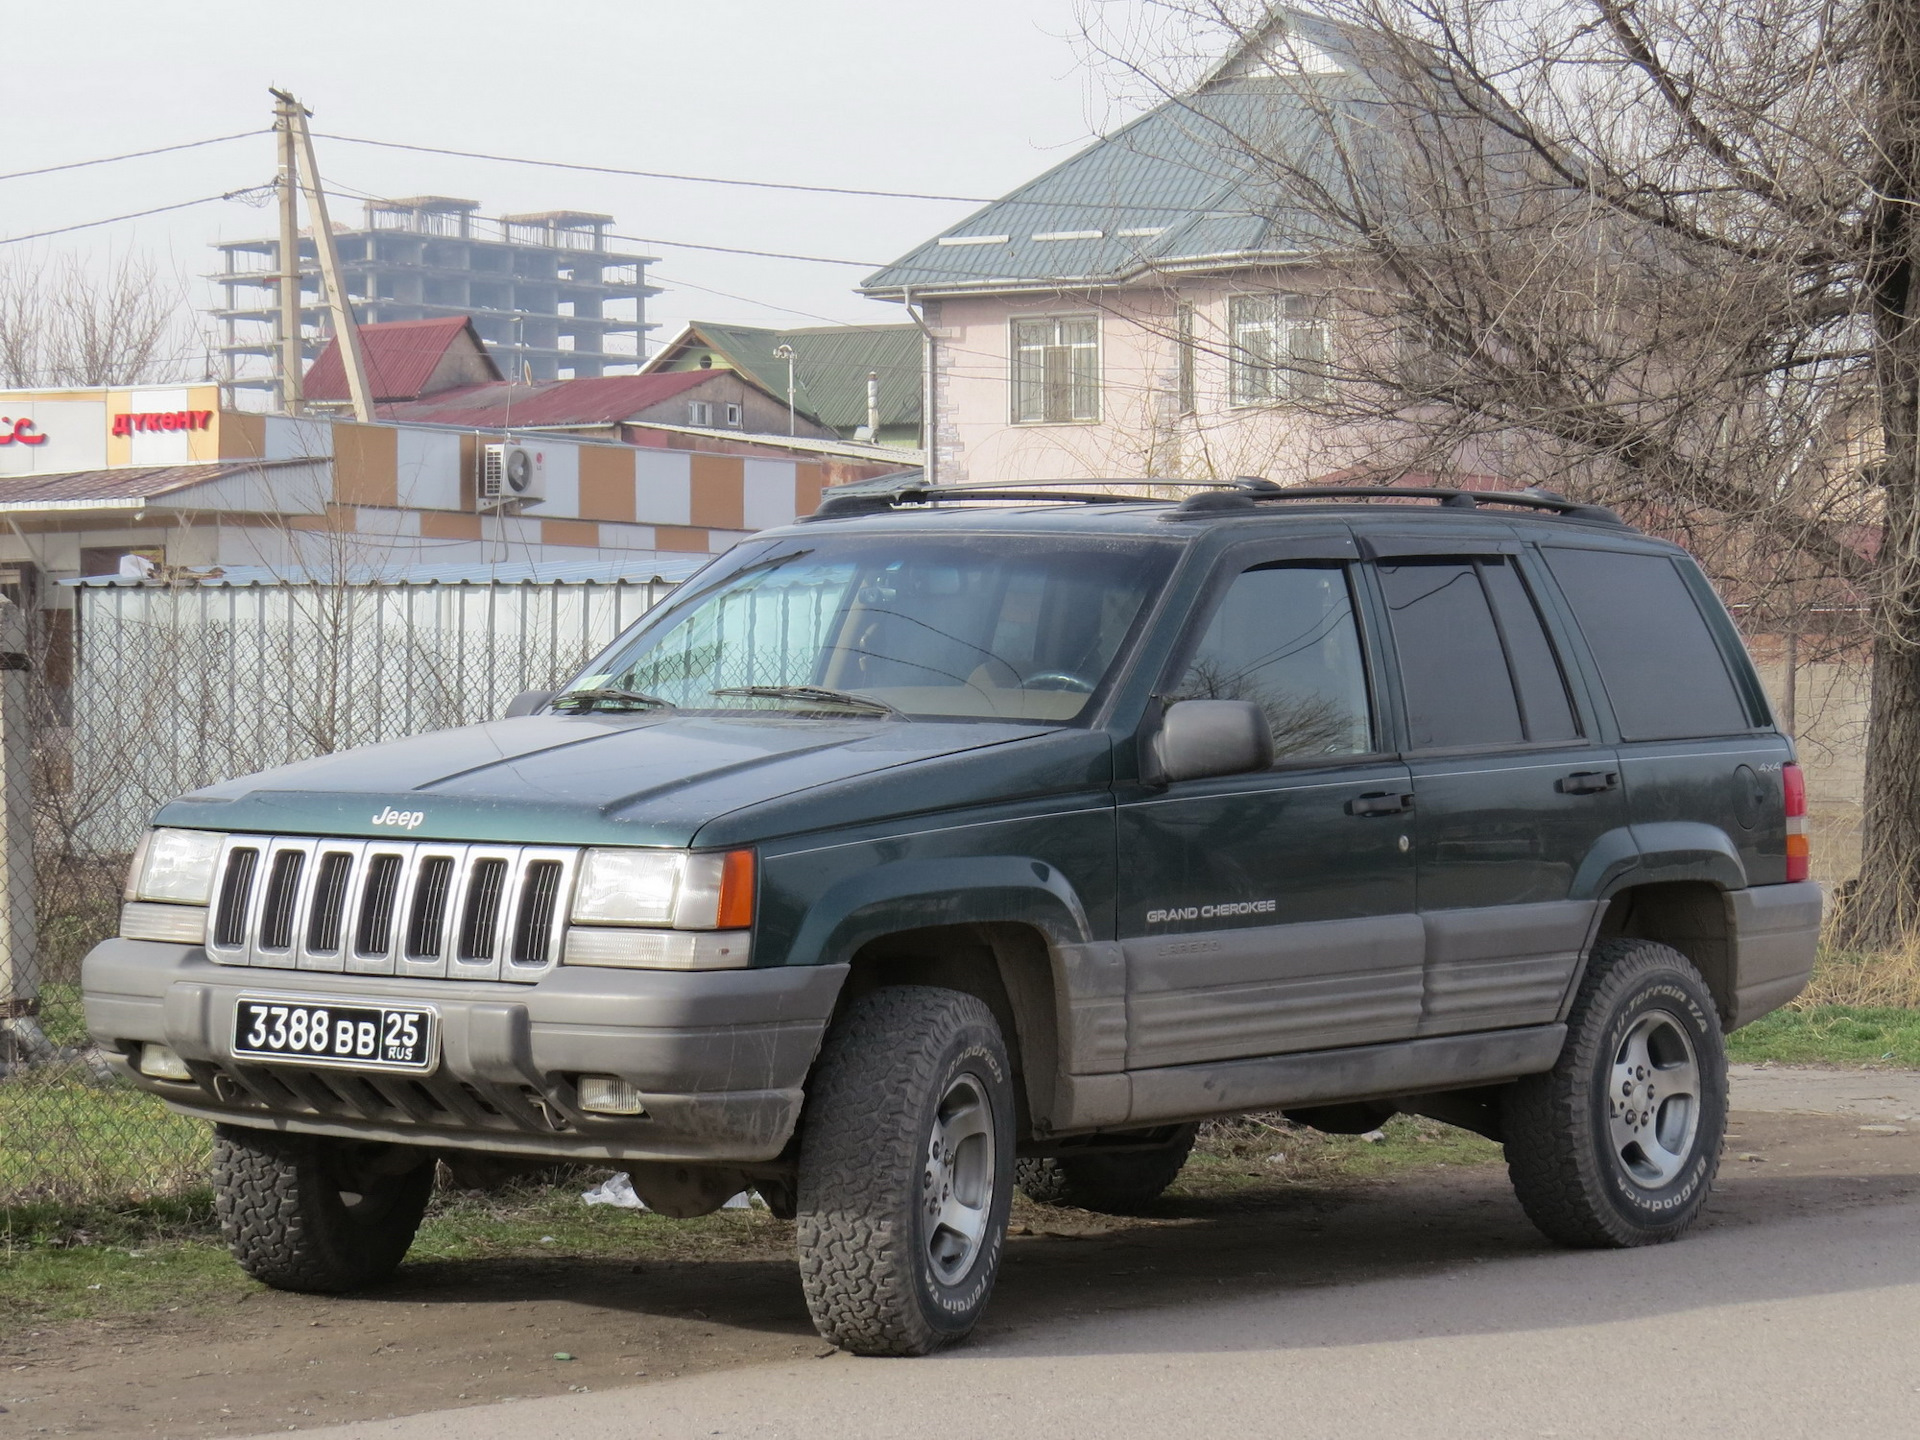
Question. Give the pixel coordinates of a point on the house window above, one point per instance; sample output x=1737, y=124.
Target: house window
x=1183, y=337
x=1281, y=346
x=1056, y=369
x=700, y=412
x=733, y=416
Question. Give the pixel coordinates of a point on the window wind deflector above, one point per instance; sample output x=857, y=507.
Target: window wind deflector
x=609, y=695
x=814, y=694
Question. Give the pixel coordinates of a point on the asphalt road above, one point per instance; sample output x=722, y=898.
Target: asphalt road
x=1797, y=1323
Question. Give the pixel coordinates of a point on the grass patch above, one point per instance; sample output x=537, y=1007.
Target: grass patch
x=66, y=1262
x=1255, y=1150
x=1876, y=980
x=68, y=1137
x=1832, y=1035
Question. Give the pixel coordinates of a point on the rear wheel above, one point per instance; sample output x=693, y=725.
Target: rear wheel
x=906, y=1171
x=1618, y=1144
x=314, y=1214
x=1120, y=1182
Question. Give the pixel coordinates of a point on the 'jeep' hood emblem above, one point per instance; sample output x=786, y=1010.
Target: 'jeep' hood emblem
x=405, y=819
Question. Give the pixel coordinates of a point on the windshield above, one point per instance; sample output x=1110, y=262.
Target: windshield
x=1007, y=626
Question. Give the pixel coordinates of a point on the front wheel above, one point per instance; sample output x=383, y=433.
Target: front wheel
x=1618, y=1144
x=906, y=1171
x=313, y=1214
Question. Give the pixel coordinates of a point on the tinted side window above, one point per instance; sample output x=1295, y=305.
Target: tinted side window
x=1545, y=710
x=1453, y=668
x=1660, y=664
x=1284, y=637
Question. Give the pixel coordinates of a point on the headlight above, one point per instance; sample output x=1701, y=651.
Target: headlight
x=175, y=866
x=628, y=903
x=667, y=888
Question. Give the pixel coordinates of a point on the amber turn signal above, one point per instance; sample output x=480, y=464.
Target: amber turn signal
x=736, y=891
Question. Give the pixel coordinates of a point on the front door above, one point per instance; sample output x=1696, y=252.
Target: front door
x=1273, y=912
x=1511, y=791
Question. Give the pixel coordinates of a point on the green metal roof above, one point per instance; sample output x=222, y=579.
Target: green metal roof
x=1178, y=188
x=830, y=367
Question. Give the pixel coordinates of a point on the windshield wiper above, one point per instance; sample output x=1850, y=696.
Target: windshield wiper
x=818, y=694
x=588, y=699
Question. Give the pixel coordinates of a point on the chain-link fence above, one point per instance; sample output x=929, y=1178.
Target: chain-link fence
x=152, y=690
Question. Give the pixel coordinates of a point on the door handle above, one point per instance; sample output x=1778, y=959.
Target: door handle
x=1380, y=802
x=1587, y=782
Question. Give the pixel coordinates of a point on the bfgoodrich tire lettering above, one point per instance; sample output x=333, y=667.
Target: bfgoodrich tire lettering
x=1619, y=1143
x=308, y=1213
x=906, y=1171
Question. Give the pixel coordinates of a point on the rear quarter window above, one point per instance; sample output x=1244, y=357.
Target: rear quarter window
x=1664, y=672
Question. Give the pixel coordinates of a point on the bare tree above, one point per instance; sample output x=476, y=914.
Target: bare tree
x=64, y=322
x=1658, y=253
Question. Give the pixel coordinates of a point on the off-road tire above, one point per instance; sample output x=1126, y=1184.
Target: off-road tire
x=1560, y=1153
x=283, y=1204
x=887, y=1066
x=1122, y=1183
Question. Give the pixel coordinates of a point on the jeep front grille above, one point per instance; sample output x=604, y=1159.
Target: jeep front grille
x=391, y=907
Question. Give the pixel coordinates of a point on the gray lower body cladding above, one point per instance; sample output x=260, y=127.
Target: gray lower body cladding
x=719, y=1057
x=1776, y=934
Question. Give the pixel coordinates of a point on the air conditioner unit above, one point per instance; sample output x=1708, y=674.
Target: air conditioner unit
x=512, y=472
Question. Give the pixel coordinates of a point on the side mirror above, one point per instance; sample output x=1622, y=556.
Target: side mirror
x=1202, y=738
x=526, y=702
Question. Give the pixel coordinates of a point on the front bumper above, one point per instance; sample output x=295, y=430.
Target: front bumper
x=719, y=1057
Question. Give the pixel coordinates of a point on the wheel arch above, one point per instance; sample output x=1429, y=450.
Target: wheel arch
x=1694, y=917
x=1005, y=964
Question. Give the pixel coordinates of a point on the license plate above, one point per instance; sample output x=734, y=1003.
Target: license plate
x=355, y=1037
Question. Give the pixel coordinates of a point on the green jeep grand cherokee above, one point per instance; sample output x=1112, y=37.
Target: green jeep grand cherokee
x=955, y=839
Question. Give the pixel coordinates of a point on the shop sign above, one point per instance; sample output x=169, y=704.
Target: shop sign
x=20, y=432
x=142, y=420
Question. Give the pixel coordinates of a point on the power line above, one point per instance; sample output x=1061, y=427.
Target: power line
x=350, y=192
x=134, y=154
x=116, y=219
x=657, y=174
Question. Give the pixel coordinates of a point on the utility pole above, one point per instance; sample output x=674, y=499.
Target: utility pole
x=292, y=358
x=346, y=332
x=873, y=407
x=785, y=352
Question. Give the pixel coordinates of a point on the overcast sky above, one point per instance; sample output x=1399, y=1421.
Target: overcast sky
x=961, y=97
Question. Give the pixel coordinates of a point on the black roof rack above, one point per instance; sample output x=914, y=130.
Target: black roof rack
x=835, y=506
x=1218, y=502
x=1245, y=494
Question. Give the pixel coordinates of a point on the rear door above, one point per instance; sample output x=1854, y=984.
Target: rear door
x=1698, y=749
x=1511, y=790
x=1273, y=912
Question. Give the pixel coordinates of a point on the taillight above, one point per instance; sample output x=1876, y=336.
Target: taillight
x=1793, y=786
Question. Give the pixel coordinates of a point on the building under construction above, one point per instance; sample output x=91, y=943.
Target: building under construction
x=547, y=296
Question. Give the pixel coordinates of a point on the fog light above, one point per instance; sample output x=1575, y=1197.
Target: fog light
x=609, y=1095
x=162, y=1064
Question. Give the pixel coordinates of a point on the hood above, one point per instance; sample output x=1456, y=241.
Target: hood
x=577, y=779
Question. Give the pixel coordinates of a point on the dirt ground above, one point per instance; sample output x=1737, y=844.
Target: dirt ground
x=477, y=1331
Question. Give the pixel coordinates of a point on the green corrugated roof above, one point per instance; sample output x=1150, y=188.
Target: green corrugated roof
x=830, y=367
x=1178, y=187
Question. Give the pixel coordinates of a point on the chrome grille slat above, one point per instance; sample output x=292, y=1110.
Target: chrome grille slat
x=423, y=908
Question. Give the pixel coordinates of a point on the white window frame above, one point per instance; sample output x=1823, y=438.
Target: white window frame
x=1280, y=348
x=733, y=416
x=1081, y=387
x=700, y=412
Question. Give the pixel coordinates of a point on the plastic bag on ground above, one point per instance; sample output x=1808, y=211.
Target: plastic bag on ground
x=615, y=1190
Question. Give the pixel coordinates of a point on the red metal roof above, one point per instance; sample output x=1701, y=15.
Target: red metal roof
x=599, y=400
x=400, y=357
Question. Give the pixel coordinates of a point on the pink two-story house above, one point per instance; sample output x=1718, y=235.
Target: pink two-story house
x=1147, y=308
